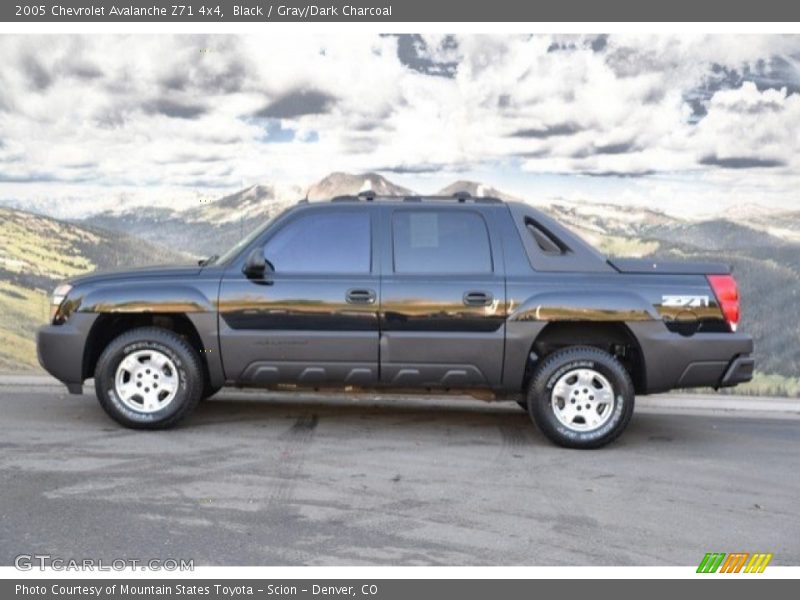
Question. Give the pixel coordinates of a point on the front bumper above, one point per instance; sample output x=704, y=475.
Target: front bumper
x=700, y=360
x=60, y=349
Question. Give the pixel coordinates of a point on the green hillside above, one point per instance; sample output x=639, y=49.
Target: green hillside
x=36, y=253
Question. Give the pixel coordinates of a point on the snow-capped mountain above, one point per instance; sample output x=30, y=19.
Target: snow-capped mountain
x=246, y=204
x=343, y=184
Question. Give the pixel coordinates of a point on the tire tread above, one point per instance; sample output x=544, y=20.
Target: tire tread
x=563, y=356
x=167, y=337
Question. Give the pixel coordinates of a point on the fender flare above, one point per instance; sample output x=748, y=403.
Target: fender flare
x=163, y=298
x=529, y=319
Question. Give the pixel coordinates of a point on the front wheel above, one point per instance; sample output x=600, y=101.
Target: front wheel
x=581, y=397
x=149, y=378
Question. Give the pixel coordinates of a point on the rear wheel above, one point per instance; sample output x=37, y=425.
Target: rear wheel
x=149, y=378
x=581, y=397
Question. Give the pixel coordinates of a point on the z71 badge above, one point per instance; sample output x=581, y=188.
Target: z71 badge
x=684, y=301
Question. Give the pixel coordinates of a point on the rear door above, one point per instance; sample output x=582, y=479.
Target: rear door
x=442, y=315
x=314, y=318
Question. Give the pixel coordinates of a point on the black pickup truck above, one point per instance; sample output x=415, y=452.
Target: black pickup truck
x=458, y=294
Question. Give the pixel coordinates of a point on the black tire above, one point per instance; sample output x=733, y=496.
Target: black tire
x=523, y=404
x=558, y=365
x=189, y=373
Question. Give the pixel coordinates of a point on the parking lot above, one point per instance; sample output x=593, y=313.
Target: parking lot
x=280, y=479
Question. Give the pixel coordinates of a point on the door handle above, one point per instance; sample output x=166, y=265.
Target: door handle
x=360, y=296
x=478, y=298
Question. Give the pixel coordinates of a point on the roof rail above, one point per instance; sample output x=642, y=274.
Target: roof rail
x=460, y=197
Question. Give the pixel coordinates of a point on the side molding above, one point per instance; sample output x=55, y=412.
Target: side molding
x=146, y=298
x=585, y=306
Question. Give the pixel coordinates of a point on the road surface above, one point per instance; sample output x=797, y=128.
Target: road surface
x=278, y=479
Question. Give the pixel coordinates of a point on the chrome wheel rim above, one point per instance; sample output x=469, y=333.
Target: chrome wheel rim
x=146, y=381
x=583, y=400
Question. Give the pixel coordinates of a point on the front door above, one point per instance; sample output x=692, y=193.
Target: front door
x=443, y=298
x=313, y=318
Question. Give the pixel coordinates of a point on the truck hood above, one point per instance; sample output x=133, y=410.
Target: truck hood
x=166, y=272
x=668, y=267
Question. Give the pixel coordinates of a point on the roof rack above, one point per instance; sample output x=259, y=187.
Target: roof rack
x=460, y=197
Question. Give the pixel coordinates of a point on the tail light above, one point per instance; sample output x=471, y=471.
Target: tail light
x=727, y=294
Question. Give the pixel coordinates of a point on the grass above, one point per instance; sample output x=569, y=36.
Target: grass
x=768, y=384
x=762, y=384
x=22, y=311
x=30, y=244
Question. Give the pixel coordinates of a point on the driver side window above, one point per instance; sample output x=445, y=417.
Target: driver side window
x=323, y=242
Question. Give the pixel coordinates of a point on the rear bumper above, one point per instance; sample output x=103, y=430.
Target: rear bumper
x=701, y=360
x=739, y=370
x=60, y=349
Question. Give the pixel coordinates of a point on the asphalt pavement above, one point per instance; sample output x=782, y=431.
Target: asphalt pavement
x=312, y=479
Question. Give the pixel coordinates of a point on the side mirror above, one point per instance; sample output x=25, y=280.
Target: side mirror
x=256, y=264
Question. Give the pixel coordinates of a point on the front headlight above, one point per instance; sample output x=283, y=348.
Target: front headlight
x=57, y=299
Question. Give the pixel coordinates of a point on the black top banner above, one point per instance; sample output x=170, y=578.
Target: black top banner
x=393, y=11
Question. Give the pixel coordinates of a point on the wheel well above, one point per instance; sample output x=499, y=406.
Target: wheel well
x=109, y=326
x=613, y=337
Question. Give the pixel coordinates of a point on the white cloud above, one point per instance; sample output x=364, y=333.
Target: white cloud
x=165, y=113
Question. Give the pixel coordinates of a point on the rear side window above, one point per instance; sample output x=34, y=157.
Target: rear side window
x=547, y=242
x=325, y=242
x=444, y=242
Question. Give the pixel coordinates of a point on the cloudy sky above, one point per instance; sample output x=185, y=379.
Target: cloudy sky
x=686, y=123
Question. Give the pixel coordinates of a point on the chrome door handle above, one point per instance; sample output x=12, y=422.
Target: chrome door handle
x=478, y=298
x=360, y=296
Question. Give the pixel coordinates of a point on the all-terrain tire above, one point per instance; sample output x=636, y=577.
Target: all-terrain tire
x=558, y=368
x=188, y=375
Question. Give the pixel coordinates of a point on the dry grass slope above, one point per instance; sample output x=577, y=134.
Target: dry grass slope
x=36, y=253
